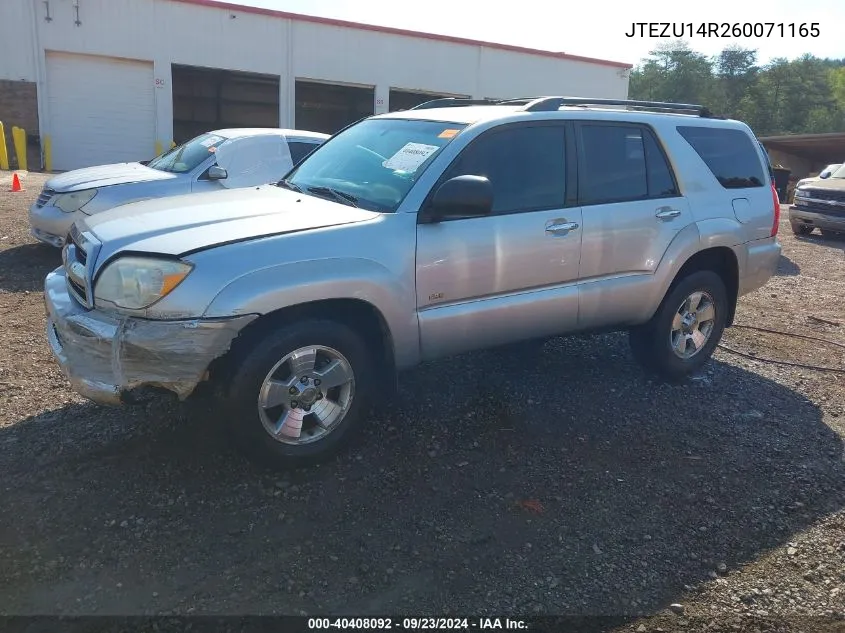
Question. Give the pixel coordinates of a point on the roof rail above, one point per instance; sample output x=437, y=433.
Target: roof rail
x=452, y=102
x=517, y=101
x=549, y=104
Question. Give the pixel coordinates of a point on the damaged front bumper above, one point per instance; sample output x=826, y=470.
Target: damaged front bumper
x=108, y=358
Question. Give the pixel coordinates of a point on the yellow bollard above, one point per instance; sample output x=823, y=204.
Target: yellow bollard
x=19, y=138
x=158, y=148
x=4, y=153
x=15, y=142
x=48, y=154
x=22, y=157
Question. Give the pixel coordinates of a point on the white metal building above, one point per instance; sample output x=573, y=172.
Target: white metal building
x=117, y=80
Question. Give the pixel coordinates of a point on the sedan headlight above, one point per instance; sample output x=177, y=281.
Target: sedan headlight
x=134, y=283
x=73, y=201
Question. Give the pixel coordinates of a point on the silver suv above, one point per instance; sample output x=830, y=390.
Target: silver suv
x=412, y=236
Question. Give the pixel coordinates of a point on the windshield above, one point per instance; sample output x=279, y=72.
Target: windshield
x=186, y=157
x=839, y=173
x=374, y=163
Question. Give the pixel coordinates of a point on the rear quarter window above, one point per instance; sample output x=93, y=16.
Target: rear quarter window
x=300, y=149
x=729, y=154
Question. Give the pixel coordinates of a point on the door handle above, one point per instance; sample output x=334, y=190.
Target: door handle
x=561, y=228
x=667, y=213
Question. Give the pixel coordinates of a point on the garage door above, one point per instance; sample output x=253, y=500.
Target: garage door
x=101, y=110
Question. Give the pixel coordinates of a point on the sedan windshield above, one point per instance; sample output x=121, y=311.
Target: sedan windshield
x=186, y=157
x=372, y=164
x=839, y=173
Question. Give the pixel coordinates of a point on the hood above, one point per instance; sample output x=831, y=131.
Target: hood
x=104, y=176
x=182, y=224
x=827, y=184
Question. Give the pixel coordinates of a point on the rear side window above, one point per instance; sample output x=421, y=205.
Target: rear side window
x=299, y=150
x=621, y=163
x=729, y=154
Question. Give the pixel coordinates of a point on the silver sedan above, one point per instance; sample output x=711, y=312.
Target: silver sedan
x=221, y=159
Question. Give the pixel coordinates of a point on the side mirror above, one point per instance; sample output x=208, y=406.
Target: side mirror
x=217, y=173
x=824, y=174
x=461, y=197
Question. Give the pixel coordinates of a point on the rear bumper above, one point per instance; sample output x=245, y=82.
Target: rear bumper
x=761, y=263
x=108, y=358
x=816, y=220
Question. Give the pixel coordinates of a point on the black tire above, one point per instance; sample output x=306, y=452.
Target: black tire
x=832, y=235
x=250, y=366
x=801, y=229
x=651, y=342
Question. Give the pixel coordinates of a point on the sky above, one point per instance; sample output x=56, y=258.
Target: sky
x=597, y=29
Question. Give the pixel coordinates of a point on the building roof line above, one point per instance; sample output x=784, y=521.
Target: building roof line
x=299, y=17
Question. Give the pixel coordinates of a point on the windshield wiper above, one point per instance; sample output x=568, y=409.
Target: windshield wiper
x=340, y=196
x=287, y=184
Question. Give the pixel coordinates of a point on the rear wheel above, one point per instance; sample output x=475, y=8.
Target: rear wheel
x=801, y=229
x=686, y=329
x=297, y=395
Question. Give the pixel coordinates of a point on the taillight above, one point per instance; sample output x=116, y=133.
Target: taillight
x=776, y=221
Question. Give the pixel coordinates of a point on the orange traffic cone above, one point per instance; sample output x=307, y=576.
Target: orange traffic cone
x=16, y=183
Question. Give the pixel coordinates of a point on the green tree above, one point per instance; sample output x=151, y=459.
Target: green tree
x=836, y=76
x=804, y=95
x=673, y=72
x=737, y=73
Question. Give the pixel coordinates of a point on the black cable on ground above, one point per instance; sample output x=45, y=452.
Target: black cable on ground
x=783, y=362
x=780, y=362
x=782, y=333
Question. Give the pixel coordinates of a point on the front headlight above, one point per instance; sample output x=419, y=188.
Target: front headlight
x=135, y=283
x=73, y=201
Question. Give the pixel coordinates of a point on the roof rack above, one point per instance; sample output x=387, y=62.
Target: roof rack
x=547, y=104
x=550, y=104
x=453, y=102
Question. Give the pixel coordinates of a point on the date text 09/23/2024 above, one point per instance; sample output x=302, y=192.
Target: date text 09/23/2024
x=723, y=29
x=416, y=624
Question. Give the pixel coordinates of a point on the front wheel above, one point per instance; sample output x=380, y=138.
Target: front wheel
x=686, y=329
x=298, y=393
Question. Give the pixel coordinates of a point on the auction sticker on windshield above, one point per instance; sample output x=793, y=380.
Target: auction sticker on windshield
x=409, y=157
x=211, y=140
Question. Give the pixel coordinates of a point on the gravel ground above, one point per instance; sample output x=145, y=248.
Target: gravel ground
x=558, y=481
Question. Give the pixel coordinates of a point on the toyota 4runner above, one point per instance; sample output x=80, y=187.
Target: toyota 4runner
x=412, y=236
